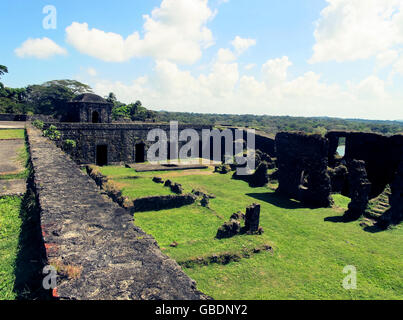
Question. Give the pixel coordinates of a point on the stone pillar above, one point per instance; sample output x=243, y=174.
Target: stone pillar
x=395, y=214
x=360, y=189
x=252, y=218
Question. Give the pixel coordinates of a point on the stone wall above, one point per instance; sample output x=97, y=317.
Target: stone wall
x=380, y=153
x=302, y=168
x=155, y=203
x=99, y=252
x=120, y=139
x=12, y=117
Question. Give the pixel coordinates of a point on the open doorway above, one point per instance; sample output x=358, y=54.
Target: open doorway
x=102, y=155
x=95, y=117
x=140, y=153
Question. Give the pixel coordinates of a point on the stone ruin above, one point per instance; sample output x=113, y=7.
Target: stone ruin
x=395, y=214
x=233, y=227
x=302, y=168
x=309, y=170
x=360, y=188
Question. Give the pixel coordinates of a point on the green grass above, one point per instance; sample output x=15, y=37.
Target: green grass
x=22, y=157
x=7, y=134
x=310, y=250
x=10, y=225
x=142, y=187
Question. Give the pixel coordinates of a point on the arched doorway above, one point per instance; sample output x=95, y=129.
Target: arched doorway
x=140, y=152
x=95, y=117
x=102, y=155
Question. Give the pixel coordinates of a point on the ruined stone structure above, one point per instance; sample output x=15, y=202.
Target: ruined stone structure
x=360, y=188
x=380, y=153
x=302, y=168
x=252, y=218
x=233, y=226
x=395, y=214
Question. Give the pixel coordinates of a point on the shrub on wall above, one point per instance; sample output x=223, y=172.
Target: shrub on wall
x=69, y=145
x=38, y=124
x=52, y=133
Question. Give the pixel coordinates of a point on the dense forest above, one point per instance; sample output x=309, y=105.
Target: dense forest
x=50, y=98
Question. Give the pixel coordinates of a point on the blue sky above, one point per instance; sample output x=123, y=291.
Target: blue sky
x=291, y=57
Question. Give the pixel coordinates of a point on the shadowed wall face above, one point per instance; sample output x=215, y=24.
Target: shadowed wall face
x=302, y=163
x=380, y=153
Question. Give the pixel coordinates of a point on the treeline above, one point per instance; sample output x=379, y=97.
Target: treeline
x=50, y=98
x=274, y=124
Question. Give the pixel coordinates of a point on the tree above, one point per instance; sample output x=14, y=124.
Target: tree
x=3, y=70
x=111, y=98
x=74, y=86
x=51, y=97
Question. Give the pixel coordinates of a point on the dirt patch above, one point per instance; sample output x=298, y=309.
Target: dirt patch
x=9, y=150
x=187, y=173
x=12, y=187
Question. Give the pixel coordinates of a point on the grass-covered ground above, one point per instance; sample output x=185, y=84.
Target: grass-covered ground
x=6, y=134
x=10, y=226
x=309, y=253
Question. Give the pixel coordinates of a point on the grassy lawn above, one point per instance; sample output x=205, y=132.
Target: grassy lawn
x=10, y=225
x=6, y=134
x=309, y=254
x=21, y=157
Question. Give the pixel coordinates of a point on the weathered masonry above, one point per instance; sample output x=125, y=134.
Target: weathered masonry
x=114, y=143
x=310, y=170
x=381, y=154
x=98, y=251
x=302, y=164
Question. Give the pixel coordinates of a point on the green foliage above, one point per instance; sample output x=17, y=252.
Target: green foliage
x=3, y=70
x=38, y=124
x=69, y=145
x=134, y=112
x=52, y=133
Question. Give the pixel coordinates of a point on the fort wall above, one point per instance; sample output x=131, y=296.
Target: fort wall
x=93, y=241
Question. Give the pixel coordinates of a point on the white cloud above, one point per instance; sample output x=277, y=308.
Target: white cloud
x=92, y=72
x=225, y=55
x=175, y=31
x=224, y=90
x=351, y=30
x=386, y=58
x=250, y=66
x=241, y=45
x=275, y=70
x=39, y=48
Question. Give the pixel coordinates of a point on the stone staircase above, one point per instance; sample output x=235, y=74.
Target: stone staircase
x=379, y=205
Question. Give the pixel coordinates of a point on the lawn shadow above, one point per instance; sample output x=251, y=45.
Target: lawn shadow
x=374, y=229
x=336, y=219
x=277, y=200
x=31, y=257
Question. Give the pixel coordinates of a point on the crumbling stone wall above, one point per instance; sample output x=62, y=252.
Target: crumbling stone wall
x=395, y=214
x=86, y=232
x=302, y=161
x=155, y=203
x=360, y=188
x=380, y=153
